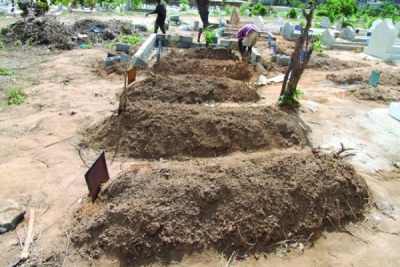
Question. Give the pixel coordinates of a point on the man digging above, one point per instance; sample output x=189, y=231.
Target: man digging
x=247, y=37
x=161, y=12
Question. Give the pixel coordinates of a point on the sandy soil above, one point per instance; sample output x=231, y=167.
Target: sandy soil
x=66, y=95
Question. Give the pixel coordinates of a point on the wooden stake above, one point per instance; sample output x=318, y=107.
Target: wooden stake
x=29, y=236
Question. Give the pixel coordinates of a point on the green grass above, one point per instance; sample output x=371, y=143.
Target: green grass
x=15, y=97
x=6, y=72
x=127, y=39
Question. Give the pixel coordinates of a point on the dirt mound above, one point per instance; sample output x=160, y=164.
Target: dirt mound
x=220, y=53
x=191, y=89
x=345, y=79
x=381, y=93
x=109, y=29
x=150, y=129
x=160, y=209
x=42, y=31
x=324, y=62
x=217, y=68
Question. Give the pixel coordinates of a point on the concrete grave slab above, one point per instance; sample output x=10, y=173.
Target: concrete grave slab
x=259, y=22
x=325, y=22
x=279, y=21
x=123, y=47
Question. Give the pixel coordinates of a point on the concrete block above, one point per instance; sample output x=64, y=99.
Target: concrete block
x=125, y=58
x=123, y=47
x=196, y=44
x=109, y=61
x=186, y=39
x=274, y=58
x=184, y=45
x=140, y=62
x=283, y=60
x=287, y=31
x=255, y=56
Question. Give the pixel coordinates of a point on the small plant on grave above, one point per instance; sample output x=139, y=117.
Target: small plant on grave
x=317, y=44
x=259, y=9
x=209, y=34
x=347, y=23
x=2, y=46
x=15, y=97
x=6, y=72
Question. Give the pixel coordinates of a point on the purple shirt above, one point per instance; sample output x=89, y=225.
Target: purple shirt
x=246, y=31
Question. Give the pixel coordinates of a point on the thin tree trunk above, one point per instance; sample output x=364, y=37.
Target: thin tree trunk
x=296, y=67
x=202, y=6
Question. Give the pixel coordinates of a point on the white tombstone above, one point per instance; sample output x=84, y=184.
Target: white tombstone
x=374, y=24
x=60, y=7
x=128, y=5
x=279, y=21
x=328, y=38
x=247, y=11
x=287, y=30
x=326, y=22
x=259, y=22
x=397, y=26
x=348, y=34
x=217, y=9
x=98, y=8
x=117, y=9
x=339, y=25
x=381, y=43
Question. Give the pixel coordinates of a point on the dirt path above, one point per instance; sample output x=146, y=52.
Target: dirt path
x=40, y=165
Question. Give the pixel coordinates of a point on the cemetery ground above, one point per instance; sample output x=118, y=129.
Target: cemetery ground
x=209, y=172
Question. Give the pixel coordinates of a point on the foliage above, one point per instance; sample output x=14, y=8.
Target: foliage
x=290, y=99
x=86, y=46
x=297, y=4
x=2, y=46
x=303, y=23
x=317, y=44
x=243, y=7
x=137, y=3
x=128, y=39
x=229, y=9
x=15, y=97
x=184, y=7
x=259, y=9
x=39, y=7
x=347, y=23
x=209, y=34
x=292, y=14
x=334, y=8
x=6, y=72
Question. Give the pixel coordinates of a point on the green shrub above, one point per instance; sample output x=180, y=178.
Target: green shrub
x=259, y=9
x=292, y=14
x=15, y=97
x=243, y=7
x=229, y=9
x=139, y=3
x=128, y=39
x=303, y=23
x=6, y=72
x=347, y=23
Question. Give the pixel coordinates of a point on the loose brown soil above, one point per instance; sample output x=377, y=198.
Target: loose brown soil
x=156, y=210
x=191, y=89
x=150, y=129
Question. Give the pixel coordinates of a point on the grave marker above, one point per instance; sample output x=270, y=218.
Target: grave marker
x=374, y=78
x=97, y=175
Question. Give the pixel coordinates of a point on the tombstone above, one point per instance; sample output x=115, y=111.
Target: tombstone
x=328, y=38
x=234, y=17
x=117, y=10
x=325, y=22
x=98, y=7
x=247, y=12
x=60, y=7
x=374, y=24
x=339, y=25
x=381, y=43
x=348, y=34
x=196, y=26
x=287, y=31
x=259, y=22
x=279, y=21
x=217, y=9
x=128, y=5
x=221, y=23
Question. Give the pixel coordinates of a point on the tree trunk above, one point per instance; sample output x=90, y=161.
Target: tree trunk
x=202, y=6
x=296, y=67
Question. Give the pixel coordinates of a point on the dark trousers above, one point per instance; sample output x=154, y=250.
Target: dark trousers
x=159, y=25
x=242, y=49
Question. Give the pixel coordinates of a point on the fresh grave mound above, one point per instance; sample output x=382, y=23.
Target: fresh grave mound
x=170, y=65
x=191, y=89
x=159, y=209
x=381, y=93
x=152, y=129
x=221, y=53
x=324, y=62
